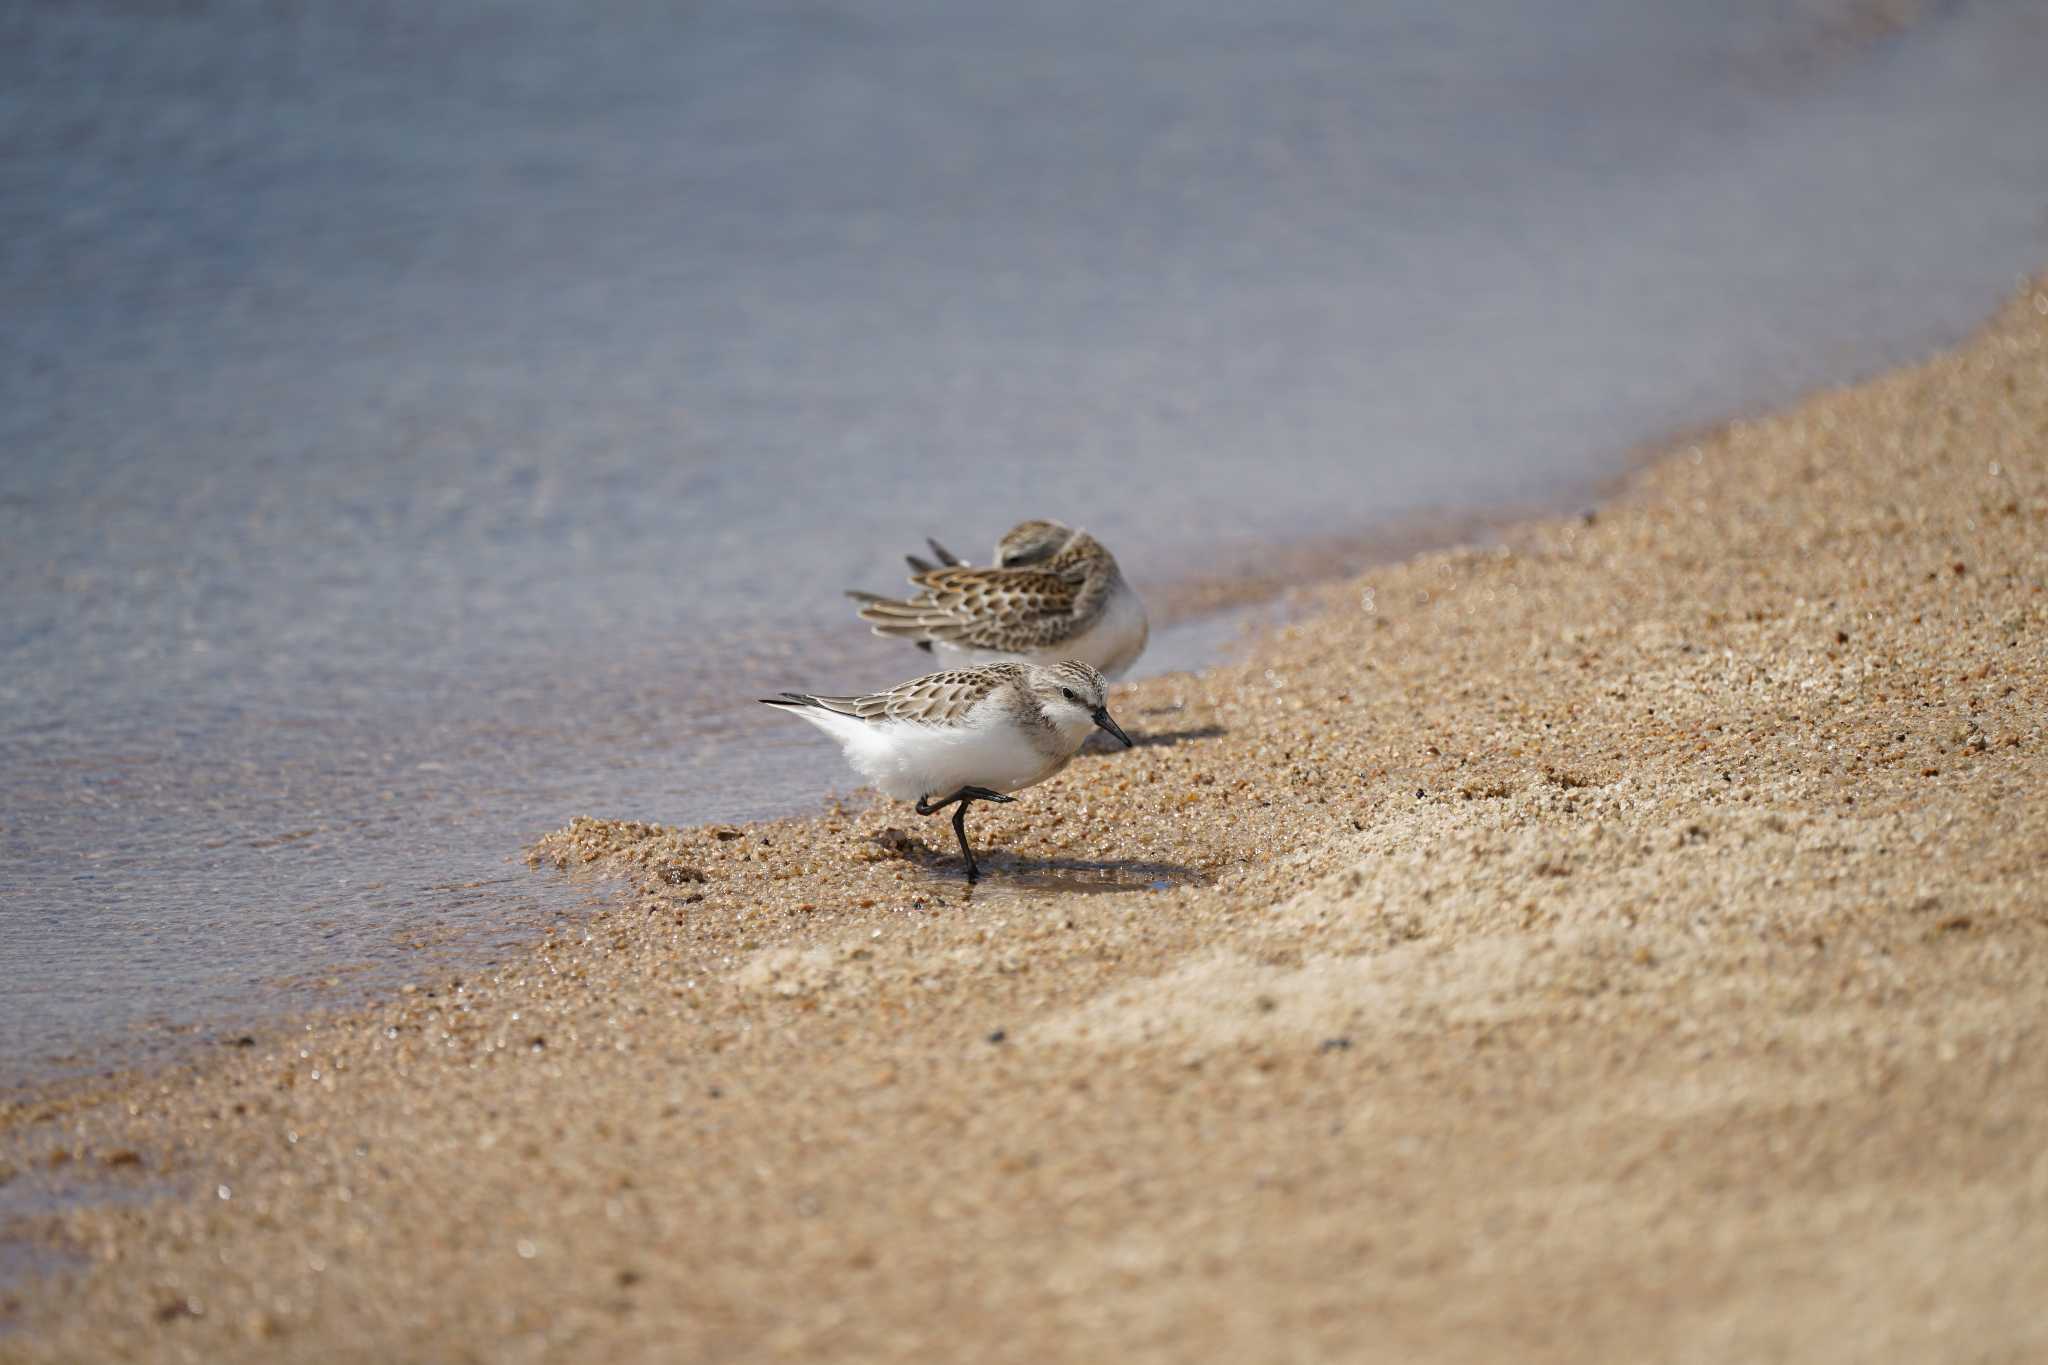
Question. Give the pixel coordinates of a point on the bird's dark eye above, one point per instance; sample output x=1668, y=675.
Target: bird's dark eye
x=1068, y=693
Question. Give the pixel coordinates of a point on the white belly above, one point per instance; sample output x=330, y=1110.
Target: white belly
x=907, y=760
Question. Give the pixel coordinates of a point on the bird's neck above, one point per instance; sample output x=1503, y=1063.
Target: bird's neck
x=1085, y=562
x=1056, y=737
x=1096, y=591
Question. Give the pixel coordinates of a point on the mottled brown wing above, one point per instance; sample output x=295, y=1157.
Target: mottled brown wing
x=985, y=608
x=934, y=699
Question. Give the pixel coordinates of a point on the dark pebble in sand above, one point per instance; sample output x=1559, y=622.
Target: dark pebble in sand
x=1334, y=1045
x=676, y=874
x=998, y=1036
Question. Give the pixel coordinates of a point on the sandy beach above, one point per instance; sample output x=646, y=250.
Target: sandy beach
x=1622, y=941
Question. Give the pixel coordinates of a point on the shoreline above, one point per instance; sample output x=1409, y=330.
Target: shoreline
x=1561, y=952
x=1247, y=590
x=1225, y=610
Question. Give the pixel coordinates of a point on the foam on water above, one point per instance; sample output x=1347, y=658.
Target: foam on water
x=424, y=423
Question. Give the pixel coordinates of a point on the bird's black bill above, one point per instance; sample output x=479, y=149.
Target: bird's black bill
x=1102, y=719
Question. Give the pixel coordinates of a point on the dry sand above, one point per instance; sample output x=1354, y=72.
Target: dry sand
x=1623, y=943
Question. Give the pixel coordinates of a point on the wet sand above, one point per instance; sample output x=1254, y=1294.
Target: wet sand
x=1621, y=942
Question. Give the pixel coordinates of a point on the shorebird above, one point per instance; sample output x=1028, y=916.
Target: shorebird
x=964, y=735
x=1053, y=593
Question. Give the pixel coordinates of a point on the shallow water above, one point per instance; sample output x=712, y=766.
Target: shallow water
x=422, y=424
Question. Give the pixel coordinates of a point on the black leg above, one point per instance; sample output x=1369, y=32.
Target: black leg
x=961, y=800
x=960, y=832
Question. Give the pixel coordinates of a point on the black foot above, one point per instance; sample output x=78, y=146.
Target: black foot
x=928, y=807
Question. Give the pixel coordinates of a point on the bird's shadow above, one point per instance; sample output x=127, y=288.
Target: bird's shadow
x=1156, y=739
x=1006, y=873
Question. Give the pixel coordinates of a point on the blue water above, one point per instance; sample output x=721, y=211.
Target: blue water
x=424, y=422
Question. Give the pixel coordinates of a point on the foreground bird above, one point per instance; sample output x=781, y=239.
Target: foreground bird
x=1053, y=593
x=965, y=735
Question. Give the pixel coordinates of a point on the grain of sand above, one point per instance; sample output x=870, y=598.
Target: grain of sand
x=1623, y=942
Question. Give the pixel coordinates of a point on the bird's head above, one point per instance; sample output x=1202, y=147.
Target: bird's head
x=1074, y=700
x=1031, y=542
